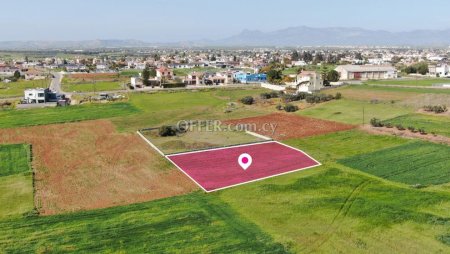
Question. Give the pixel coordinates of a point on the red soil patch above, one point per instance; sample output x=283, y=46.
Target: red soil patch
x=290, y=126
x=89, y=165
x=93, y=75
x=219, y=168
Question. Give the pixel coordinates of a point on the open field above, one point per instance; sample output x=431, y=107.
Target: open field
x=416, y=90
x=415, y=163
x=194, y=223
x=16, y=186
x=290, y=126
x=334, y=209
x=410, y=82
x=219, y=168
x=351, y=111
x=130, y=73
x=15, y=89
x=91, y=82
x=338, y=145
x=89, y=165
x=198, y=138
x=14, y=159
x=355, y=93
x=17, y=118
x=170, y=107
x=437, y=124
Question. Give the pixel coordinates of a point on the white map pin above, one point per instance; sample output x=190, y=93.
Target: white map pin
x=245, y=160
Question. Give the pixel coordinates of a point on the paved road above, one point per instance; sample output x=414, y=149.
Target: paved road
x=55, y=85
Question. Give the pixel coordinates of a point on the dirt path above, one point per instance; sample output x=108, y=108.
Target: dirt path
x=405, y=134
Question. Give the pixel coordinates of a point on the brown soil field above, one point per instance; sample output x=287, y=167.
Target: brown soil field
x=405, y=134
x=93, y=75
x=88, y=165
x=290, y=125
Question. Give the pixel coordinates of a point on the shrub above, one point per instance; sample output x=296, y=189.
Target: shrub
x=338, y=96
x=436, y=109
x=167, y=131
x=290, y=108
x=412, y=129
x=248, y=100
x=265, y=96
x=400, y=127
x=279, y=107
x=422, y=131
x=275, y=94
x=389, y=125
x=375, y=122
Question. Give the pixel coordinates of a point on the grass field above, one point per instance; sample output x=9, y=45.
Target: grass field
x=14, y=159
x=199, y=138
x=418, y=90
x=16, y=187
x=351, y=111
x=332, y=209
x=415, y=163
x=410, y=82
x=15, y=89
x=343, y=144
x=195, y=223
x=437, y=124
x=93, y=82
x=130, y=73
x=17, y=118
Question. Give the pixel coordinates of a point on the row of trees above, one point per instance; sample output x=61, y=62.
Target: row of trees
x=420, y=68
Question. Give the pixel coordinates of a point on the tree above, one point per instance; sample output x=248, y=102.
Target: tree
x=152, y=72
x=307, y=56
x=274, y=75
x=17, y=75
x=213, y=58
x=146, y=75
x=422, y=68
x=295, y=56
x=333, y=76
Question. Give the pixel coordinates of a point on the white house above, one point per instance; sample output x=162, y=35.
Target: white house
x=309, y=81
x=164, y=72
x=365, y=72
x=35, y=95
x=443, y=70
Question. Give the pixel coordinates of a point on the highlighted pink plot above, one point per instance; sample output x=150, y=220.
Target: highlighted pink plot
x=219, y=168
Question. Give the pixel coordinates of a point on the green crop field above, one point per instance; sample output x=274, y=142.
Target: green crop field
x=342, y=144
x=415, y=163
x=194, y=223
x=94, y=87
x=16, y=118
x=16, y=187
x=410, y=82
x=15, y=89
x=130, y=73
x=355, y=111
x=437, y=124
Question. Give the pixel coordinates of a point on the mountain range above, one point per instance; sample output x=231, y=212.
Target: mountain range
x=293, y=36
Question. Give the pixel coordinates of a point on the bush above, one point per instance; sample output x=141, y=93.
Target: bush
x=400, y=127
x=422, y=131
x=290, y=108
x=265, y=96
x=375, y=122
x=279, y=107
x=248, y=100
x=275, y=94
x=338, y=96
x=436, y=109
x=389, y=125
x=412, y=129
x=317, y=98
x=167, y=131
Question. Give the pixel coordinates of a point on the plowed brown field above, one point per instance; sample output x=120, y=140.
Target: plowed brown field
x=290, y=125
x=89, y=165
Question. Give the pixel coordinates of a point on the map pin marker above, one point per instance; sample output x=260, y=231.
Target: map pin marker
x=245, y=160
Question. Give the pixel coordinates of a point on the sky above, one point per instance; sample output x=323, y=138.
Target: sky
x=182, y=20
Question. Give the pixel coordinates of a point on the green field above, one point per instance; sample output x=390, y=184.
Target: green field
x=354, y=111
x=195, y=223
x=415, y=163
x=16, y=89
x=199, y=138
x=417, y=90
x=130, y=73
x=342, y=144
x=16, y=187
x=437, y=124
x=93, y=87
x=17, y=118
x=409, y=82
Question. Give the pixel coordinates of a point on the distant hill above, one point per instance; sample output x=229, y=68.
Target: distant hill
x=308, y=36
x=293, y=36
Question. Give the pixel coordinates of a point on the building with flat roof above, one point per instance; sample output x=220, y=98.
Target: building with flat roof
x=365, y=72
x=243, y=77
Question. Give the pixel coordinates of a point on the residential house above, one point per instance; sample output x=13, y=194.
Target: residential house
x=307, y=81
x=164, y=73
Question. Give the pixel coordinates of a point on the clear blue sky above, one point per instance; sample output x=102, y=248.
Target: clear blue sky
x=175, y=20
